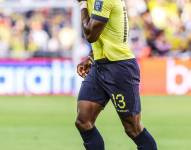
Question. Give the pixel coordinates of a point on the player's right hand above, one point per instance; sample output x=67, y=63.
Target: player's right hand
x=84, y=67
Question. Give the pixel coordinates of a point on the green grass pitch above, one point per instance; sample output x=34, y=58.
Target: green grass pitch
x=47, y=123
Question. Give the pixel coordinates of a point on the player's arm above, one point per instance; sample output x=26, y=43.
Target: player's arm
x=93, y=25
x=92, y=28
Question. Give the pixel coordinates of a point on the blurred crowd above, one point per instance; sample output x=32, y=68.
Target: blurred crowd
x=40, y=32
x=160, y=27
x=157, y=28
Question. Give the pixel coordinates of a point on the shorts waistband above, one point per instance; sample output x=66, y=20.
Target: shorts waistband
x=107, y=61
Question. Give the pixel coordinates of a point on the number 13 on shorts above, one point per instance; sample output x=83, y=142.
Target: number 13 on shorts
x=119, y=102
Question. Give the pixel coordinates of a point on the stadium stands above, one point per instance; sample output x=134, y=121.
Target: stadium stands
x=164, y=26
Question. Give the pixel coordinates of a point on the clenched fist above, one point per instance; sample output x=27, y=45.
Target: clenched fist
x=84, y=67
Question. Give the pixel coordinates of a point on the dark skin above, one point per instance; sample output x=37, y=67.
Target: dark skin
x=92, y=30
x=88, y=111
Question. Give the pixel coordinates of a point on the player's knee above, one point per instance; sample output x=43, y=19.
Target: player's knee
x=83, y=125
x=131, y=133
x=133, y=129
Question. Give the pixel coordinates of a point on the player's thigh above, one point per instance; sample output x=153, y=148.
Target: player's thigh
x=126, y=101
x=88, y=112
x=126, y=97
x=91, y=90
x=125, y=94
x=92, y=99
x=128, y=106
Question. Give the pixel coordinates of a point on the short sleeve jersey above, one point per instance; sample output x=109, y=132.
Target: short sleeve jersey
x=113, y=41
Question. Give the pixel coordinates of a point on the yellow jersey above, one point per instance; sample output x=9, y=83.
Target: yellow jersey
x=113, y=41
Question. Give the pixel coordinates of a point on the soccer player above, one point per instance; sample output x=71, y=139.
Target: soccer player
x=114, y=74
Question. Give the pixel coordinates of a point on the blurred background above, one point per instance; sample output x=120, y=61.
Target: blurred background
x=50, y=28
x=41, y=43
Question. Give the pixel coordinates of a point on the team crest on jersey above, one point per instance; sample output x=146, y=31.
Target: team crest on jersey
x=98, y=5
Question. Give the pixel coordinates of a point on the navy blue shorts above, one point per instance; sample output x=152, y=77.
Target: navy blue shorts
x=118, y=81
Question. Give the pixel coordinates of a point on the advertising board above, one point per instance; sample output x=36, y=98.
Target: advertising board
x=159, y=76
x=165, y=76
x=38, y=76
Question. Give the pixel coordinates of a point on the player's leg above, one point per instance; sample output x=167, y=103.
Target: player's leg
x=126, y=100
x=128, y=109
x=135, y=130
x=87, y=114
x=91, y=100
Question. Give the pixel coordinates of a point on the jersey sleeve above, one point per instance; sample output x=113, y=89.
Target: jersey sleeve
x=102, y=10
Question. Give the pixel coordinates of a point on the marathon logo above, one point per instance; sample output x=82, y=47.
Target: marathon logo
x=57, y=77
x=98, y=5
